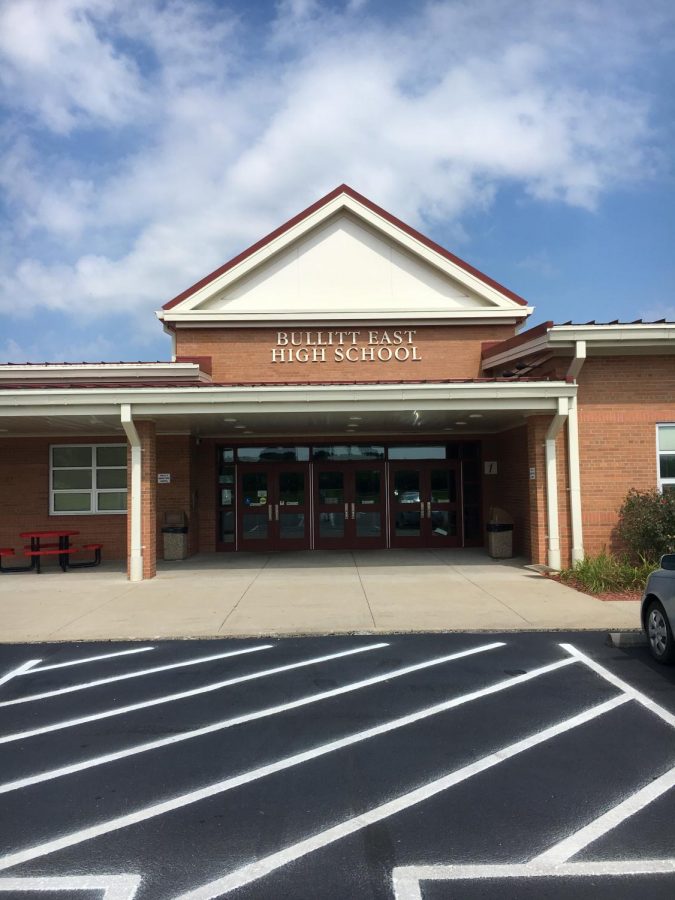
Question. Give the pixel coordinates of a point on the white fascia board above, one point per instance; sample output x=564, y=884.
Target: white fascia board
x=342, y=202
x=331, y=316
x=600, y=337
x=155, y=402
x=55, y=371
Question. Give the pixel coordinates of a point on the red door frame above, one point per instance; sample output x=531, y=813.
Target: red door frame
x=424, y=505
x=273, y=507
x=349, y=507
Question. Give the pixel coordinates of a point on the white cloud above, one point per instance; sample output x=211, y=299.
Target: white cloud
x=187, y=132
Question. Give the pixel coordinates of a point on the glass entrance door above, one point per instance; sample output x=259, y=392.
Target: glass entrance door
x=349, y=506
x=423, y=504
x=273, y=507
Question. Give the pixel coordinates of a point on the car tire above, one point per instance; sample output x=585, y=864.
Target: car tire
x=659, y=633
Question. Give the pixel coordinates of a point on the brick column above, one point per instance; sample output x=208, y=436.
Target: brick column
x=147, y=434
x=536, y=459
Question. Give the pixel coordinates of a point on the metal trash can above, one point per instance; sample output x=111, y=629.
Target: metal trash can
x=175, y=535
x=500, y=534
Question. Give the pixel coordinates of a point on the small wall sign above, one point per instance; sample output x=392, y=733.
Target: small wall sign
x=164, y=478
x=490, y=468
x=533, y=473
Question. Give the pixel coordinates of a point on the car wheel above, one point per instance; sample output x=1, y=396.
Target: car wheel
x=660, y=634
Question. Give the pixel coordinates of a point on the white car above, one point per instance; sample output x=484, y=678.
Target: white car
x=658, y=610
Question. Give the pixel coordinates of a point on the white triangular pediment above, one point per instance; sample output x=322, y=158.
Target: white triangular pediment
x=345, y=262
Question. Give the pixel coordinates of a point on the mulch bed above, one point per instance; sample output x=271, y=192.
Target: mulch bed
x=605, y=595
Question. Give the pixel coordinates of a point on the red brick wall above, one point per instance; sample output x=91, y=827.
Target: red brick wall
x=174, y=458
x=621, y=400
x=24, y=497
x=509, y=488
x=245, y=354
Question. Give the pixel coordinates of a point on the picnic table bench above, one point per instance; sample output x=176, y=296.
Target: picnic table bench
x=61, y=548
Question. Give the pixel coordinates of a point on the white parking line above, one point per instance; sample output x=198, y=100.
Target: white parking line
x=88, y=659
x=262, y=867
x=211, y=790
x=24, y=667
x=182, y=695
x=115, y=887
x=406, y=879
x=305, y=701
x=140, y=674
x=576, y=842
x=634, y=694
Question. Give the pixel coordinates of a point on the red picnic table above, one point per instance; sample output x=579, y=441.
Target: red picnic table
x=60, y=549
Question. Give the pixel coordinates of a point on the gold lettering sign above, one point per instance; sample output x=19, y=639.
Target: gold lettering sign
x=378, y=345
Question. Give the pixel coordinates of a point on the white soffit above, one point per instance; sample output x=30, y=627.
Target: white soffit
x=344, y=262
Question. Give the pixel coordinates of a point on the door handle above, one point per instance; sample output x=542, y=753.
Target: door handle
x=353, y=511
x=269, y=511
x=428, y=509
x=346, y=512
x=276, y=511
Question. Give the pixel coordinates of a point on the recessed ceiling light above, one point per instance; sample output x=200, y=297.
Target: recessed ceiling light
x=240, y=426
x=476, y=416
x=460, y=423
x=229, y=420
x=355, y=418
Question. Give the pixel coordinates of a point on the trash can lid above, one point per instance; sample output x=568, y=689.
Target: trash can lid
x=499, y=526
x=174, y=529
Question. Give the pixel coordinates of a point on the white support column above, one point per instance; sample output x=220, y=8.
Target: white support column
x=575, y=483
x=135, y=511
x=573, y=458
x=553, y=526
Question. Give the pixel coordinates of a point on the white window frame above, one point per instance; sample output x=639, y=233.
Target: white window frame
x=660, y=453
x=93, y=491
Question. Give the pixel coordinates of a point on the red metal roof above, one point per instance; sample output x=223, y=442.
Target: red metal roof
x=344, y=189
x=136, y=385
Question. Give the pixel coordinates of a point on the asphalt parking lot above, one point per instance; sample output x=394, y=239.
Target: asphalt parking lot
x=398, y=767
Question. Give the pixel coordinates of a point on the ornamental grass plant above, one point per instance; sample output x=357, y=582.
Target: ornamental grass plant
x=606, y=573
x=646, y=528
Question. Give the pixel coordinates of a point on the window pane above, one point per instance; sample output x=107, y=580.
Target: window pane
x=111, y=478
x=111, y=456
x=227, y=527
x=68, y=479
x=263, y=454
x=407, y=486
x=667, y=465
x=368, y=524
x=72, y=502
x=71, y=457
x=292, y=488
x=115, y=501
x=367, y=486
x=348, y=451
x=417, y=452
x=254, y=527
x=331, y=487
x=667, y=437
x=254, y=488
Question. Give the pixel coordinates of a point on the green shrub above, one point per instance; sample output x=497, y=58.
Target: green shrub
x=608, y=573
x=647, y=523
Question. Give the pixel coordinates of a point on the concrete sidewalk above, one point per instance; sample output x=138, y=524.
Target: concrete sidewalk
x=300, y=593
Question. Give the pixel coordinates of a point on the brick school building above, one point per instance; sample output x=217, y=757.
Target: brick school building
x=345, y=383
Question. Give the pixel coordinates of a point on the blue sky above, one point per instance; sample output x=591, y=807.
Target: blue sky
x=144, y=142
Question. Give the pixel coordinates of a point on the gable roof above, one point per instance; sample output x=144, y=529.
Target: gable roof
x=344, y=258
x=343, y=189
